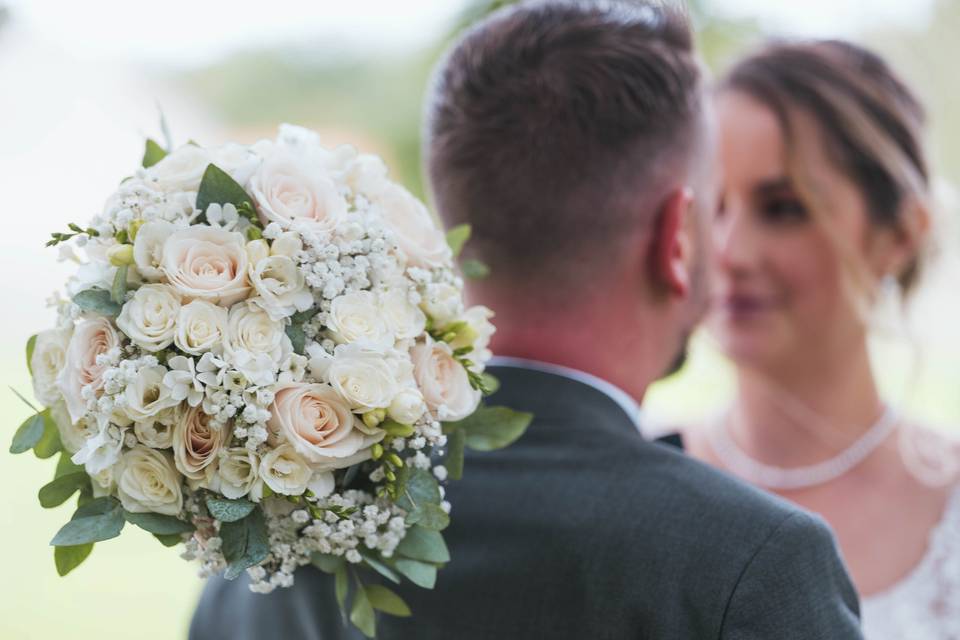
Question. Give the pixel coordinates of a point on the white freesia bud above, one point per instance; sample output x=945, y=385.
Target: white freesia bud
x=407, y=406
x=478, y=332
x=281, y=286
x=443, y=302
x=148, y=248
x=201, y=326
x=404, y=319
x=443, y=381
x=147, y=396
x=120, y=255
x=148, y=482
x=207, y=263
x=150, y=317
x=287, y=244
x=285, y=471
x=258, y=250
x=47, y=361
x=356, y=317
x=239, y=472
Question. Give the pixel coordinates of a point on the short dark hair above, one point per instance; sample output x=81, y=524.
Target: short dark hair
x=545, y=122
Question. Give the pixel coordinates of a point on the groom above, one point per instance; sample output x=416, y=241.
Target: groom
x=576, y=139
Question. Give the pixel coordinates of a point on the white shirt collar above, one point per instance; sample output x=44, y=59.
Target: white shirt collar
x=615, y=393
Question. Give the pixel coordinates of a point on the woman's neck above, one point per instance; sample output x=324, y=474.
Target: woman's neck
x=796, y=415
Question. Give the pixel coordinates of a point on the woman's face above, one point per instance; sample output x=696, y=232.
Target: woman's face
x=780, y=292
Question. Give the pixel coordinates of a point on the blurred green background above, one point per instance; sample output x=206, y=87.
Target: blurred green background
x=80, y=94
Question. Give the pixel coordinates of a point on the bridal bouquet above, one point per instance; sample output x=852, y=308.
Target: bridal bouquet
x=264, y=356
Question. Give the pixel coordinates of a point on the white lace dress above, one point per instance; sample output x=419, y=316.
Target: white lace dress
x=926, y=604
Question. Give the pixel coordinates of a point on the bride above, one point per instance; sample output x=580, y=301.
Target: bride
x=824, y=209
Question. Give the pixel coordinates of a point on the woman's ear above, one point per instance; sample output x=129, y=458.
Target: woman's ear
x=894, y=248
x=672, y=245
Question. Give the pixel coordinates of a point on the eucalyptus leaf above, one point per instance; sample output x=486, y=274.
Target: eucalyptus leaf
x=226, y=510
x=69, y=558
x=28, y=435
x=93, y=522
x=422, y=574
x=380, y=567
x=431, y=516
x=361, y=614
x=457, y=237
x=491, y=428
x=383, y=599
x=49, y=444
x=423, y=544
x=245, y=543
x=118, y=292
x=158, y=523
x=419, y=488
x=474, y=269
x=152, y=154
x=456, y=440
x=169, y=540
x=31, y=345
x=217, y=187
x=326, y=562
x=298, y=338
x=341, y=585
x=66, y=466
x=55, y=493
x=97, y=301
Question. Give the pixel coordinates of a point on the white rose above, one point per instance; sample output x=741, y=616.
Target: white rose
x=73, y=434
x=148, y=482
x=150, y=317
x=288, y=189
x=365, y=377
x=157, y=433
x=201, y=327
x=148, y=248
x=47, y=361
x=103, y=483
x=238, y=472
x=420, y=239
x=407, y=406
x=197, y=443
x=147, y=396
x=443, y=381
x=285, y=471
x=287, y=244
x=206, y=263
x=367, y=174
x=405, y=319
x=318, y=423
x=90, y=339
x=237, y=160
x=356, y=317
x=281, y=286
x=250, y=328
x=181, y=170
x=443, y=302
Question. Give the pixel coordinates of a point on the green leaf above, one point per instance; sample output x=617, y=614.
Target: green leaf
x=474, y=269
x=490, y=428
x=49, y=444
x=55, y=493
x=226, y=510
x=423, y=544
x=383, y=599
x=28, y=435
x=245, y=543
x=97, y=301
x=431, y=516
x=419, y=488
x=298, y=338
x=119, y=290
x=341, y=585
x=158, y=523
x=326, y=562
x=361, y=614
x=456, y=440
x=374, y=563
x=66, y=466
x=152, y=154
x=31, y=345
x=69, y=558
x=217, y=187
x=457, y=237
x=422, y=574
x=99, y=520
x=169, y=540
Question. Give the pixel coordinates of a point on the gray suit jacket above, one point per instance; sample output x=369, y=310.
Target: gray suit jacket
x=581, y=530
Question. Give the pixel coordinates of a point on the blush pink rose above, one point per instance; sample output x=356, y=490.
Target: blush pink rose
x=90, y=339
x=443, y=381
x=206, y=263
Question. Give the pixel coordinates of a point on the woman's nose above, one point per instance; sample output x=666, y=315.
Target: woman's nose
x=736, y=241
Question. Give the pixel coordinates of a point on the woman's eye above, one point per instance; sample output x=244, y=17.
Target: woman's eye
x=784, y=211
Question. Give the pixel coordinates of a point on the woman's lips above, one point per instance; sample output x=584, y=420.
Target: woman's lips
x=745, y=305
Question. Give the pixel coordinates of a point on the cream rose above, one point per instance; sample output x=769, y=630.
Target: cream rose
x=281, y=286
x=90, y=339
x=407, y=406
x=147, y=396
x=356, y=317
x=364, y=377
x=197, y=443
x=149, y=318
x=147, y=482
x=285, y=471
x=207, y=264
x=288, y=188
x=420, y=239
x=250, y=328
x=319, y=425
x=148, y=248
x=405, y=319
x=47, y=361
x=443, y=381
x=181, y=170
x=238, y=472
x=201, y=327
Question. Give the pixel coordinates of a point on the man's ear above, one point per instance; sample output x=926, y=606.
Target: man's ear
x=671, y=249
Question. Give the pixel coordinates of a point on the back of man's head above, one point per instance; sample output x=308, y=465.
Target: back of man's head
x=554, y=129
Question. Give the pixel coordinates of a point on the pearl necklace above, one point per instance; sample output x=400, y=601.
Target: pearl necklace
x=772, y=477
